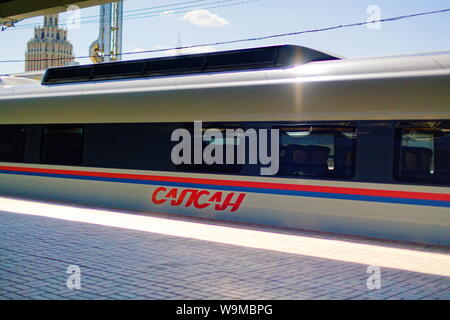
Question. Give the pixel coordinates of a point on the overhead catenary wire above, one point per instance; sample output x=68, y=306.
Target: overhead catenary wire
x=167, y=6
x=279, y=35
x=214, y=5
x=167, y=10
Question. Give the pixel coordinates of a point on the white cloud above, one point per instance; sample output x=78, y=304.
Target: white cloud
x=167, y=12
x=204, y=18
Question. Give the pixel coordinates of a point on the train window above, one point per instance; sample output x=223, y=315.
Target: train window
x=214, y=144
x=12, y=143
x=423, y=152
x=62, y=145
x=318, y=151
x=143, y=146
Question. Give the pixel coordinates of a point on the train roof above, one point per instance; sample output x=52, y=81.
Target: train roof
x=230, y=60
x=266, y=63
x=414, y=86
x=9, y=81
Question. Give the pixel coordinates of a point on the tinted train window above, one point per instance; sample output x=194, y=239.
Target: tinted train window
x=142, y=146
x=12, y=143
x=317, y=151
x=222, y=144
x=62, y=145
x=423, y=152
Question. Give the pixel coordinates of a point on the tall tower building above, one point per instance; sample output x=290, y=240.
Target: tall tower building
x=49, y=47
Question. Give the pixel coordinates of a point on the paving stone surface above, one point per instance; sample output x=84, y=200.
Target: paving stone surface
x=118, y=263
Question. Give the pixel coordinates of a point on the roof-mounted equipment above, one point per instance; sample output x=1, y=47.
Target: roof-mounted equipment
x=246, y=59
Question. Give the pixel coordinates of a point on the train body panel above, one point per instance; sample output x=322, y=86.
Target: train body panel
x=399, y=216
x=364, y=145
x=325, y=90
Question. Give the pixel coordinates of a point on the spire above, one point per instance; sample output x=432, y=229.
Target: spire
x=51, y=20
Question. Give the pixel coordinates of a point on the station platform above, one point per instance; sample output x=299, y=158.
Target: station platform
x=129, y=255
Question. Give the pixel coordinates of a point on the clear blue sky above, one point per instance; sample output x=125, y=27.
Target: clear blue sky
x=263, y=17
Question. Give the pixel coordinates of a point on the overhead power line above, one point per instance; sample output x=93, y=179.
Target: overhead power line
x=166, y=7
x=211, y=5
x=150, y=12
x=342, y=26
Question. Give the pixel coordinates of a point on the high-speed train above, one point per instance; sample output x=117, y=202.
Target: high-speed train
x=357, y=146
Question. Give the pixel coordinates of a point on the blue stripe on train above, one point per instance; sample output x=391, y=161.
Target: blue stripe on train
x=340, y=196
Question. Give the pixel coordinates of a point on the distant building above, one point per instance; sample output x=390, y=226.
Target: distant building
x=49, y=47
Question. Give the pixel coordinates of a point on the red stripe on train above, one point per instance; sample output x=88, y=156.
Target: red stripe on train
x=248, y=184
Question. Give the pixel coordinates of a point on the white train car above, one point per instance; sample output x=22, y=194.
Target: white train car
x=364, y=143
